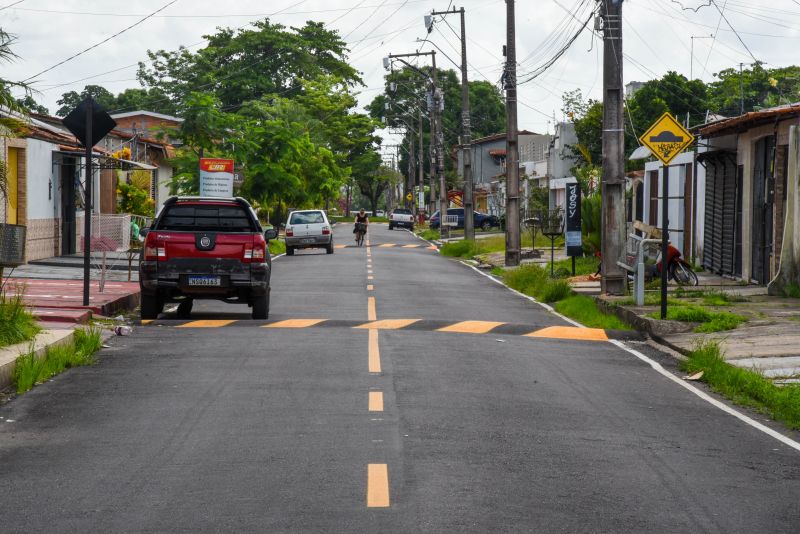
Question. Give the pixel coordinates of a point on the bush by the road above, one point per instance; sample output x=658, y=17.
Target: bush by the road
x=584, y=310
x=16, y=323
x=277, y=246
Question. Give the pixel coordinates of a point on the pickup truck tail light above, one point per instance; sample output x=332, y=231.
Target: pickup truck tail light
x=257, y=252
x=326, y=230
x=153, y=250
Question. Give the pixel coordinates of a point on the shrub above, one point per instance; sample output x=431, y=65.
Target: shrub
x=584, y=310
x=16, y=323
x=554, y=290
x=459, y=249
x=30, y=370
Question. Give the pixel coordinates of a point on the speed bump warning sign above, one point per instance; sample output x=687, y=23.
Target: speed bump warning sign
x=666, y=138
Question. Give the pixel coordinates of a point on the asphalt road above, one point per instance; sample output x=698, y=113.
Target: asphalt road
x=224, y=425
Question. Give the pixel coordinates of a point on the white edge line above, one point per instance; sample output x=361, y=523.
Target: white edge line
x=523, y=295
x=708, y=398
x=278, y=256
x=438, y=251
x=659, y=369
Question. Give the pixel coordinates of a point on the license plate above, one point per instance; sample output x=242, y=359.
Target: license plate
x=213, y=281
x=305, y=241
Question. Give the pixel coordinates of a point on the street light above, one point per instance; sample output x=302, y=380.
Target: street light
x=386, y=63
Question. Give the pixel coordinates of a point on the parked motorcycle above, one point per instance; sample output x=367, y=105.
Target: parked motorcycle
x=677, y=268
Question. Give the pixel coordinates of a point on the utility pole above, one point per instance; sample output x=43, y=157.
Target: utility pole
x=466, y=130
x=420, y=167
x=512, y=150
x=411, y=172
x=741, y=90
x=613, y=185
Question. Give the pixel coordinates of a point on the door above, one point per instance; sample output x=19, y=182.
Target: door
x=12, y=207
x=68, y=196
x=763, y=190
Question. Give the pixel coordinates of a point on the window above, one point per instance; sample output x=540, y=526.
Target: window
x=402, y=211
x=307, y=217
x=197, y=218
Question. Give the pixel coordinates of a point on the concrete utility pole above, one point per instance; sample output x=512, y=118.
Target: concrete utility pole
x=466, y=130
x=412, y=170
x=613, y=184
x=420, y=162
x=512, y=150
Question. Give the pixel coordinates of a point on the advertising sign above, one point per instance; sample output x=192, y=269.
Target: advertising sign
x=216, y=177
x=572, y=227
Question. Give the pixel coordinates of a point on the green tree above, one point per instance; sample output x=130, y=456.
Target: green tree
x=673, y=93
x=71, y=99
x=29, y=104
x=248, y=64
x=9, y=126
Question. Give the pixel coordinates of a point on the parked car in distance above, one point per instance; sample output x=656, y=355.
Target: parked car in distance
x=205, y=248
x=380, y=213
x=484, y=221
x=402, y=217
x=308, y=229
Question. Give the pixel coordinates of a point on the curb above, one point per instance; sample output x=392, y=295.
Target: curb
x=9, y=355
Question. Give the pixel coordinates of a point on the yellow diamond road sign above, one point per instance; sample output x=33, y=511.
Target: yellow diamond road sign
x=410, y=197
x=666, y=138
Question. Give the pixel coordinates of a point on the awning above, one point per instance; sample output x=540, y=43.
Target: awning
x=116, y=163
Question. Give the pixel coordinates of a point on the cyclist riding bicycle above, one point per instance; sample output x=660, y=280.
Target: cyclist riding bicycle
x=362, y=221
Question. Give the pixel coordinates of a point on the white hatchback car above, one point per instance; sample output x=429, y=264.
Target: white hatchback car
x=308, y=229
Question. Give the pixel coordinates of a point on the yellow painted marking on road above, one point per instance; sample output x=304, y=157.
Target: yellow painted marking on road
x=471, y=327
x=339, y=246
x=377, y=486
x=374, y=353
x=370, y=287
x=370, y=278
x=411, y=246
x=376, y=401
x=371, y=309
x=432, y=247
x=369, y=271
x=387, y=324
x=570, y=332
x=147, y=321
x=387, y=245
x=295, y=323
x=207, y=323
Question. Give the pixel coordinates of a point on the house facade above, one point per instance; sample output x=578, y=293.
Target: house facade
x=751, y=174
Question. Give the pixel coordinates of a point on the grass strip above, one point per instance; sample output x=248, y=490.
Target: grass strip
x=745, y=387
x=584, y=310
x=277, y=246
x=710, y=321
x=17, y=325
x=30, y=370
x=583, y=266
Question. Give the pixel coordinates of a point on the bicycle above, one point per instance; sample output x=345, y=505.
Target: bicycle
x=360, y=230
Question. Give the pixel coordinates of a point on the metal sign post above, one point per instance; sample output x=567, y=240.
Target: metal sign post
x=666, y=138
x=89, y=123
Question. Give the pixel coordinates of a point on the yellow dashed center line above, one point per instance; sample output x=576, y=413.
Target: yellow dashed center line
x=295, y=323
x=377, y=486
x=371, y=309
x=471, y=327
x=370, y=287
x=571, y=332
x=376, y=401
x=207, y=323
x=370, y=278
x=374, y=357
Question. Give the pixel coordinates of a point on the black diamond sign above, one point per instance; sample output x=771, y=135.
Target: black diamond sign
x=102, y=123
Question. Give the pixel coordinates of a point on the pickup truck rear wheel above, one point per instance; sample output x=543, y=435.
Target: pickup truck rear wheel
x=151, y=306
x=391, y=227
x=261, y=307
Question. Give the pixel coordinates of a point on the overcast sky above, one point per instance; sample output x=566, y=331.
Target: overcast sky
x=657, y=37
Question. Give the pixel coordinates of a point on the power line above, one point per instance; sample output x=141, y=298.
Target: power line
x=11, y=5
x=101, y=42
x=722, y=14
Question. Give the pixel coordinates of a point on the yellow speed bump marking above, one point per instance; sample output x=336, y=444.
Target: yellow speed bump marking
x=374, y=354
x=387, y=324
x=207, y=323
x=294, y=323
x=570, y=332
x=387, y=245
x=147, y=321
x=339, y=246
x=377, y=486
x=376, y=401
x=371, y=316
x=471, y=327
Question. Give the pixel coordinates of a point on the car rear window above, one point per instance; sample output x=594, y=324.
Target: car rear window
x=402, y=211
x=195, y=218
x=306, y=217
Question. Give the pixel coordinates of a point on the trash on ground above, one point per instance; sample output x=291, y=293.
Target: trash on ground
x=696, y=376
x=123, y=330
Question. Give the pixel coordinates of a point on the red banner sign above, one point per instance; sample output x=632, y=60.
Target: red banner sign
x=216, y=165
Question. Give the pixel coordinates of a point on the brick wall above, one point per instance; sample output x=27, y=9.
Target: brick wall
x=42, y=239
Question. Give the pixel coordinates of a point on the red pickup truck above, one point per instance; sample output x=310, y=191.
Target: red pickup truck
x=205, y=248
